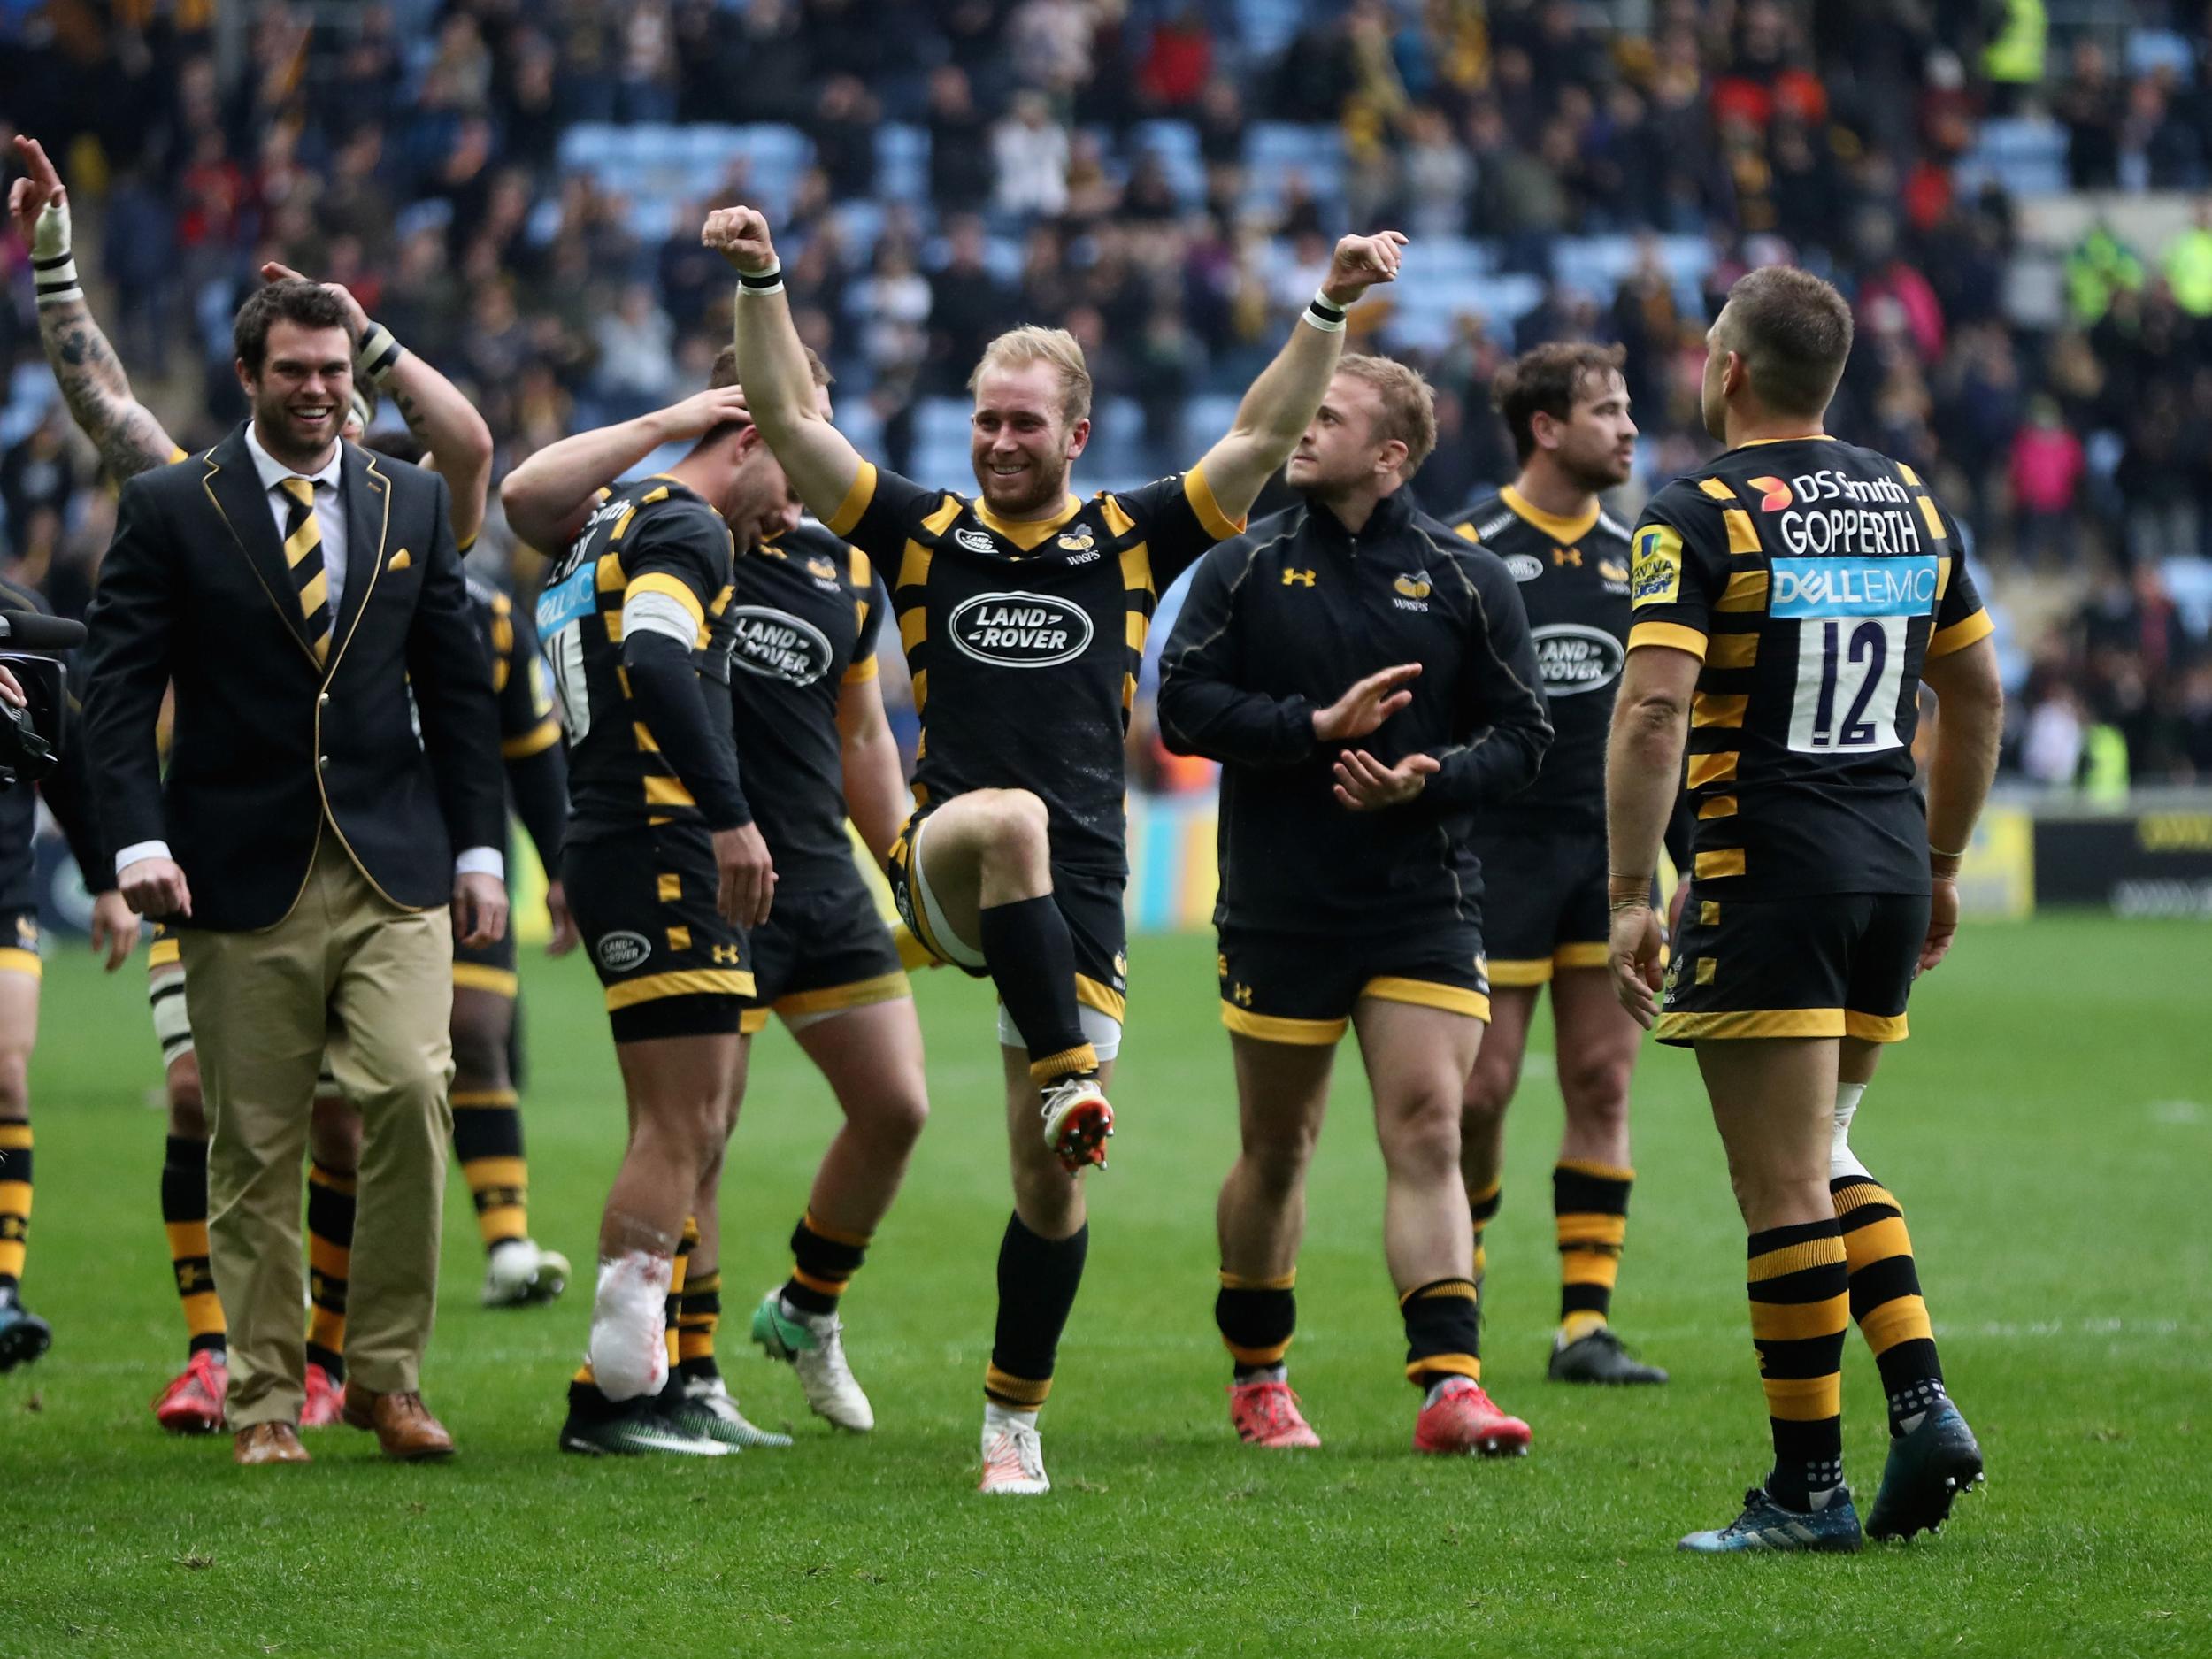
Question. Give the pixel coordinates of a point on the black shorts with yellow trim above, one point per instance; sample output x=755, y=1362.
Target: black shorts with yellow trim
x=1300, y=988
x=486, y=967
x=1090, y=902
x=18, y=943
x=643, y=901
x=821, y=951
x=1837, y=964
x=1543, y=900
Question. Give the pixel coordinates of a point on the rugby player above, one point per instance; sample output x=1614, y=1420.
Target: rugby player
x=1368, y=681
x=1791, y=598
x=667, y=869
x=24, y=1336
x=131, y=440
x=1023, y=612
x=1544, y=918
x=812, y=740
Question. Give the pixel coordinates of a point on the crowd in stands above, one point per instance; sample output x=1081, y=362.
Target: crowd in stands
x=515, y=186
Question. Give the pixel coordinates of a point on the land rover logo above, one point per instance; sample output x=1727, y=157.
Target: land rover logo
x=778, y=645
x=975, y=540
x=1526, y=567
x=1020, y=630
x=1574, y=657
x=618, y=953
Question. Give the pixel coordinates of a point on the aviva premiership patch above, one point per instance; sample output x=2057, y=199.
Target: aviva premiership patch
x=1655, y=578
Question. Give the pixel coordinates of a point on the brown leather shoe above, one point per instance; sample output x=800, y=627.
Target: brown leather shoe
x=269, y=1443
x=404, y=1428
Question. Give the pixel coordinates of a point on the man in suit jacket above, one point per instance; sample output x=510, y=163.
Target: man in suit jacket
x=335, y=742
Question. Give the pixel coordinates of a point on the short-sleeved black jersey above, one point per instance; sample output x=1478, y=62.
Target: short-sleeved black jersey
x=1812, y=578
x=650, y=537
x=1025, y=639
x=804, y=625
x=1573, y=578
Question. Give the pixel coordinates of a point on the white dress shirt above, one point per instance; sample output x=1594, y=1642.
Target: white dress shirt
x=330, y=514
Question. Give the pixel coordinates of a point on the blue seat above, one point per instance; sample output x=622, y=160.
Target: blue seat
x=903, y=162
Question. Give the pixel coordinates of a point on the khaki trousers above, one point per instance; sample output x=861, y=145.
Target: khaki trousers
x=349, y=968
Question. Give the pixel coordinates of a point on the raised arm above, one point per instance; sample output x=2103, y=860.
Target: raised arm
x=129, y=437
x=1281, y=403
x=445, y=423
x=548, y=496
x=772, y=366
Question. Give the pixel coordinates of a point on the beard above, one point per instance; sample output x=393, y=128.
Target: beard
x=1026, y=494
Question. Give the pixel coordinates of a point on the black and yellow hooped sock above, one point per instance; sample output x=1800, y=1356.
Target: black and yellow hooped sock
x=1442, y=1336
x=697, y=1318
x=1590, y=1208
x=184, y=1217
x=1482, y=1209
x=1031, y=958
x=330, y=1207
x=1257, y=1317
x=679, y=1272
x=1800, y=1295
x=15, y=1201
x=1037, y=1281
x=823, y=1263
x=487, y=1140
x=1886, y=1298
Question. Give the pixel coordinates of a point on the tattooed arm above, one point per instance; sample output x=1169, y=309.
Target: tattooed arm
x=129, y=437
x=444, y=422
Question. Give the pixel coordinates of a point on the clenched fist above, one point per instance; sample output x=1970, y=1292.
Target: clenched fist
x=1362, y=262
x=739, y=234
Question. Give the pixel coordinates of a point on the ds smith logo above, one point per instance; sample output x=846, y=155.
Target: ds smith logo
x=779, y=646
x=1777, y=495
x=1020, y=630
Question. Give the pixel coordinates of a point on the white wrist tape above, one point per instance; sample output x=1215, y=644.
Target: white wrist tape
x=53, y=268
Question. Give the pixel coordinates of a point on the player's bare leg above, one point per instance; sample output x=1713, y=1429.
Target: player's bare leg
x=487, y=1144
x=1774, y=1104
x=1490, y=1086
x=1040, y=1268
x=1418, y=1060
x=1933, y=1456
x=24, y=1336
x=872, y=1057
x=1597, y=1043
x=678, y=1090
x=1260, y=1219
x=986, y=858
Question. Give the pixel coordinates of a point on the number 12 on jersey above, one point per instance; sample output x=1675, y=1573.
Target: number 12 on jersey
x=1851, y=617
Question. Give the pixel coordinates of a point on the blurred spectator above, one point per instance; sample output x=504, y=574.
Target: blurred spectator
x=2045, y=471
x=1030, y=149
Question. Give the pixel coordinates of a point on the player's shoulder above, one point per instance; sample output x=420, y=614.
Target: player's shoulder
x=1484, y=519
x=16, y=597
x=1265, y=542
x=1483, y=567
x=485, y=596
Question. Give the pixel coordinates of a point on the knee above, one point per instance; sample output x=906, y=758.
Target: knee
x=1596, y=1091
x=15, y=1085
x=1049, y=1200
x=1421, y=1130
x=479, y=1049
x=1278, y=1163
x=1015, y=824
x=894, y=1121
x=187, y=1107
x=1489, y=1091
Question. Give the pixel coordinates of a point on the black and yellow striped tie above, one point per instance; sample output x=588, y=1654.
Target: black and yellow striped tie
x=303, y=553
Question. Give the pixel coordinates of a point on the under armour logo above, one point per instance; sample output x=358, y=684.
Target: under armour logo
x=1304, y=578
x=1567, y=555
x=727, y=955
x=1243, y=994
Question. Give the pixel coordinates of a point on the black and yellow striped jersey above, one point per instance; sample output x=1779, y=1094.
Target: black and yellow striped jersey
x=654, y=541
x=1025, y=639
x=1572, y=574
x=1812, y=578
x=519, y=678
x=803, y=626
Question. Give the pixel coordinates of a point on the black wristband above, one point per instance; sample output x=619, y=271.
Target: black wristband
x=761, y=281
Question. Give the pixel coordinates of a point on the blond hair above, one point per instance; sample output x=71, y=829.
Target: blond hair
x=1409, y=405
x=1032, y=343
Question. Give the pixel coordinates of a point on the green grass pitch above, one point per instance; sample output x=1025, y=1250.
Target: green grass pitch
x=2049, y=1129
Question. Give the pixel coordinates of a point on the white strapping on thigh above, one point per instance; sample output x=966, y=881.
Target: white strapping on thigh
x=963, y=954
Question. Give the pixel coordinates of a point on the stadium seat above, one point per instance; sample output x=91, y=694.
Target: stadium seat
x=1176, y=144
x=902, y=163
